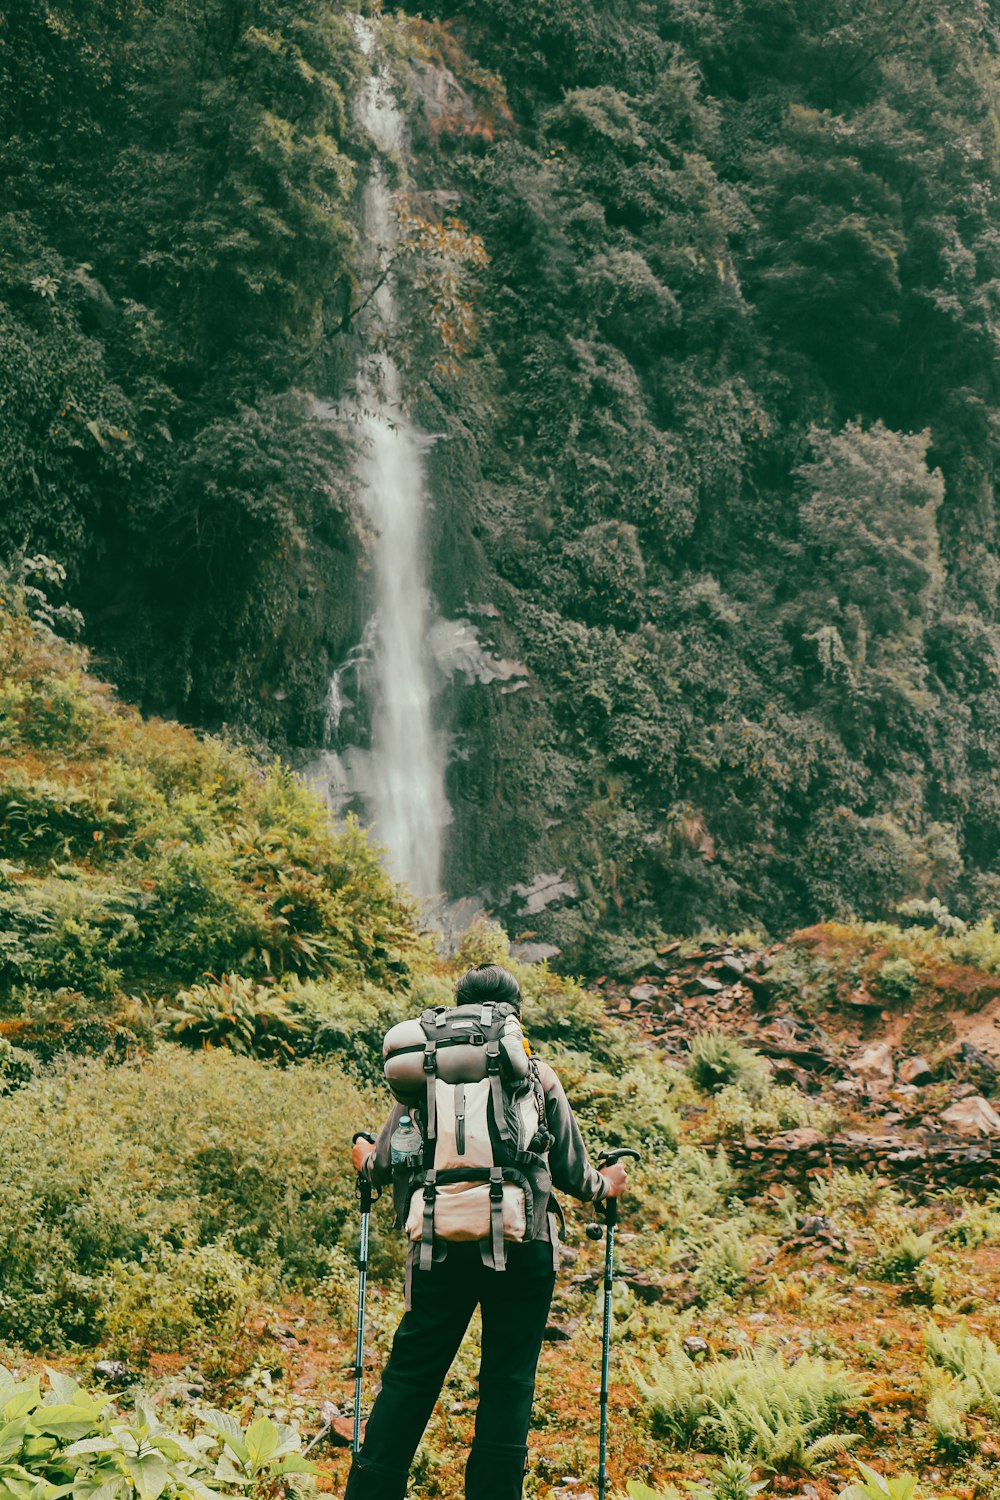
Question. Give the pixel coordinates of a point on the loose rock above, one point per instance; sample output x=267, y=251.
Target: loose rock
x=874, y=1064
x=975, y=1116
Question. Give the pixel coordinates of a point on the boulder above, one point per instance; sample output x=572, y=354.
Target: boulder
x=534, y=953
x=974, y=1116
x=643, y=992
x=914, y=1070
x=968, y=1063
x=874, y=1064
x=802, y=1139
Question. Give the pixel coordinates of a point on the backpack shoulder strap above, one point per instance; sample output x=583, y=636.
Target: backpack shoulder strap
x=496, y=1090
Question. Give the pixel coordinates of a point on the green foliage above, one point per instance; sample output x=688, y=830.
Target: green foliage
x=724, y=1264
x=896, y=981
x=142, y=1204
x=733, y=525
x=753, y=1406
x=157, y=335
x=902, y=1254
x=725, y=466
x=149, y=858
x=68, y=1439
x=172, y=1299
x=875, y=1486
x=236, y=1013
x=17, y=1066
x=778, y=1108
x=718, y=1060
x=970, y=1357
x=733, y=1480
x=962, y=1375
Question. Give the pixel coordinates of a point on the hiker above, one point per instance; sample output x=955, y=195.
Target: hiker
x=511, y=1279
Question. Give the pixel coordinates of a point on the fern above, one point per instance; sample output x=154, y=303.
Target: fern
x=973, y=1363
x=968, y=1356
x=754, y=1407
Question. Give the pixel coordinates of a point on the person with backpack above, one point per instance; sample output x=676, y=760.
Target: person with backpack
x=480, y=1136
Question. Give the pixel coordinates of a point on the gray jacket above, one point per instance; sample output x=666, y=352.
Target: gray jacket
x=569, y=1166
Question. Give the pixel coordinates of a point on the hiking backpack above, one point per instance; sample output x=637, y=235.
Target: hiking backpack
x=465, y=1074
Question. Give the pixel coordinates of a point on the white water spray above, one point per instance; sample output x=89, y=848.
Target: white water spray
x=402, y=778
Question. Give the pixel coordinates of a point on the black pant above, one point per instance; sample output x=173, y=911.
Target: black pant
x=515, y=1308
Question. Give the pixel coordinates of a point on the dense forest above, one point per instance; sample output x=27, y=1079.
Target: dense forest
x=720, y=441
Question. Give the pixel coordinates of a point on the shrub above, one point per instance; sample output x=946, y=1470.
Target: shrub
x=560, y=1011
x=948, y=1404
x=895, y=981
x=717, y=1060
x=199, y=917
x=17, y=1066
x=170, y=1298
x=978, y=946
x=858, y=1192
x=932, y=913
x=782, y=1107
x=754, y=1406
x=181, y=856
x=148, y=1166
x=978, y=1224
x=349, y=1025
x=724, y=1264
x=67, y=930
x=236, y=1013
x=902, y=1254
x=962, y=1375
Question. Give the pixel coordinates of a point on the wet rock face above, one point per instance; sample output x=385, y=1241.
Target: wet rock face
x=446, y=110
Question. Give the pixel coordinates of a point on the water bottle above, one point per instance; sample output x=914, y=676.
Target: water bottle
x=406, y=1147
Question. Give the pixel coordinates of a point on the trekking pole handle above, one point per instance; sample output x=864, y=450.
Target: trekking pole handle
x=608, y=1159
x=364, y=1186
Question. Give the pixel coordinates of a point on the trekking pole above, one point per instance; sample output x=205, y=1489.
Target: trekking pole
x=610, y=1206
x=365, y=1194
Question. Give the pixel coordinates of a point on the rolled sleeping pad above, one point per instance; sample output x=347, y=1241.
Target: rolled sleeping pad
x=457, y=1060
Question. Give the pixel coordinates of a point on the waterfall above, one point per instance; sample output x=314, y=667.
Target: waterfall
x=401, y=778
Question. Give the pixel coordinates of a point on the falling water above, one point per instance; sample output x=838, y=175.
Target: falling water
x=403, y=776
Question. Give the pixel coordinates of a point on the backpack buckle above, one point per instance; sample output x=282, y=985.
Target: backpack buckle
x=430, y=1057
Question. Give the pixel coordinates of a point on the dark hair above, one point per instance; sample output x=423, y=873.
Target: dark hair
x=487, y=982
